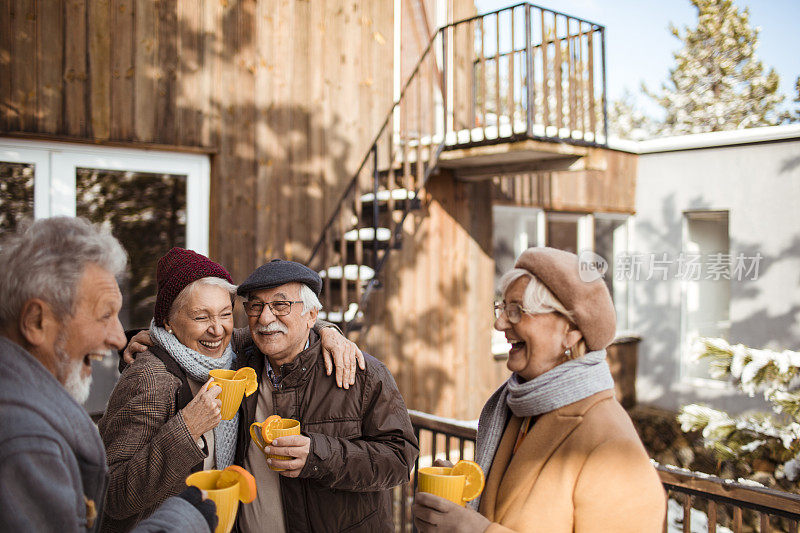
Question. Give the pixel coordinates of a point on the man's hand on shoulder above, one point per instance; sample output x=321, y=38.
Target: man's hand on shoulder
x=140, y=342
x=295, y=446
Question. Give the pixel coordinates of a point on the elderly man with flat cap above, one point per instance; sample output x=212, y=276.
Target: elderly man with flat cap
x=355, y=444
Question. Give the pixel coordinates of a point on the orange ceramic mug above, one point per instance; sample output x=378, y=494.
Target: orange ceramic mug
x=226, y=499
x=263, y=433
x=235, y=385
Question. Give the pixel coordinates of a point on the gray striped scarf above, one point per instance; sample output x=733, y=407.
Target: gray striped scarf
x=197, y=366
x=567, y=383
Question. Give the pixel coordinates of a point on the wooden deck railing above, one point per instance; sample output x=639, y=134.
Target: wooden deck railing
x=728, y=506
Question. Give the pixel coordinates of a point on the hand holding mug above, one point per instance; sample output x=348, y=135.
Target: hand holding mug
x=202, y=414
x=288, y=454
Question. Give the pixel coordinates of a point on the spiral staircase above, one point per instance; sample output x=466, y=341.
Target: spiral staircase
x=469, y=106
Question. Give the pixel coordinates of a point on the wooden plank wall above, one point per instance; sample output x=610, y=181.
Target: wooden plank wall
x=609, y=186
x=433, y=316
x=287, y=95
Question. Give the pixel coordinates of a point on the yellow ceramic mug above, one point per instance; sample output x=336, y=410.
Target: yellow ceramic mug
x=227, y=499
x=277, y=427
x=232, y=391
x=438, y=481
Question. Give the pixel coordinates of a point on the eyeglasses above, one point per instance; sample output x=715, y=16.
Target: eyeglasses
x=513, y=311
x=278, y=307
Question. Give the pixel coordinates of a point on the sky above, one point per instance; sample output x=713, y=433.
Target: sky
x=639, y=45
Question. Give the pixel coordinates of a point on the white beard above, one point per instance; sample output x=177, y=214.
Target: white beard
x=78, y=386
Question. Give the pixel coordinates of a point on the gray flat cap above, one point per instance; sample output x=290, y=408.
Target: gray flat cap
x=278, y=272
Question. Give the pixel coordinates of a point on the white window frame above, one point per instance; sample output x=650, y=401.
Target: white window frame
x=56, y=164
x=620, y=247
x=685, y=342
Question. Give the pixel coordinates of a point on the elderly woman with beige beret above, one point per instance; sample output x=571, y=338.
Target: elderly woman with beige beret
x=560, y=453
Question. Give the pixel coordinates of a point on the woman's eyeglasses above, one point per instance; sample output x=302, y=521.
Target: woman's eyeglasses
x=513, y=311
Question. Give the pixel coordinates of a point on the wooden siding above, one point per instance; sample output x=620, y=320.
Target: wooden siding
x=433, y=316
x=286, y=94
x=607, y=184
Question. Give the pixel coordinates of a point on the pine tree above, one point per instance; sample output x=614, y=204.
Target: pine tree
x=627, y=121
x=773, y=438
x=718, y=82
x=794, y=116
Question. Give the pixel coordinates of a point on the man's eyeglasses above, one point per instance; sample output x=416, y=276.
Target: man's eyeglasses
x=513, y=311
x=278, y=307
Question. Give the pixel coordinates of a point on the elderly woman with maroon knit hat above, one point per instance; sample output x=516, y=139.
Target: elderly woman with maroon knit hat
x=163, y=421
x=559, y=452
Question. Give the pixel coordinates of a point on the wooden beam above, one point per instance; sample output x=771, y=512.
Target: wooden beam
x=23, y=95
x=122, y=70
x=203, y=150
x=99, y=68
x=468, y=156
x=146, y=70
x=480, y=173
x=50, y=60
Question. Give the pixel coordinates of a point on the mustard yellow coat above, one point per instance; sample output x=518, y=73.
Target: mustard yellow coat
x=581, y=468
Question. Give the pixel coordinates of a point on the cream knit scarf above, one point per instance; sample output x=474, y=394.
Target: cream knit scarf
x=565, y=384
x=197, y=366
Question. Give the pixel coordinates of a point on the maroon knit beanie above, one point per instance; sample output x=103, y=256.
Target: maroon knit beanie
x=177, y=269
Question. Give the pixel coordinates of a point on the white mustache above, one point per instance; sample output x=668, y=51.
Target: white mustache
x=273, y=327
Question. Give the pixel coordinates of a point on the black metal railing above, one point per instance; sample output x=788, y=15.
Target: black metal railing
x=368, y=220
x=525, y=72
x=702, y=499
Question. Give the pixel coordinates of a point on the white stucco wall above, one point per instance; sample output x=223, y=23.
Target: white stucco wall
x=759, y=184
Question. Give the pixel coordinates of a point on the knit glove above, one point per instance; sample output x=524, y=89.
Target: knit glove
x=206, y=507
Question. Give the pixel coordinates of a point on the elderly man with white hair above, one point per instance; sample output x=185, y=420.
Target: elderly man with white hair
x=59, y=305
x=355, y=444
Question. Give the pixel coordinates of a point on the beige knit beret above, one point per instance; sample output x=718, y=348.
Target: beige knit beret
x=589, y=302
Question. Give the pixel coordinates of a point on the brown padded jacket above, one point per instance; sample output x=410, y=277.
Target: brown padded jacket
x=362, y=442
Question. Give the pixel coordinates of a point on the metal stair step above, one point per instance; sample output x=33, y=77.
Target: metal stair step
x=368, y=234
x=336, y=316
x=383, y=196
x=350, y=272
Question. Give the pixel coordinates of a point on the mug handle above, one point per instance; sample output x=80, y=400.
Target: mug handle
x=255, y=434
x=218, y=384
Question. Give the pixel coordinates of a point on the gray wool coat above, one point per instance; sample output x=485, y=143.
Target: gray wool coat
x=52, y=460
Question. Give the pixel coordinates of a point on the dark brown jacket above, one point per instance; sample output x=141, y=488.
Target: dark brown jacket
x=362, y=442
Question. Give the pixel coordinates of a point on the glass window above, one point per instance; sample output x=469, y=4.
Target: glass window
x=147, y=213
x=610, y=242
x=515, y=229
x=706, y=298
x=562, y=231
x=151, y=200
x=16, y=194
